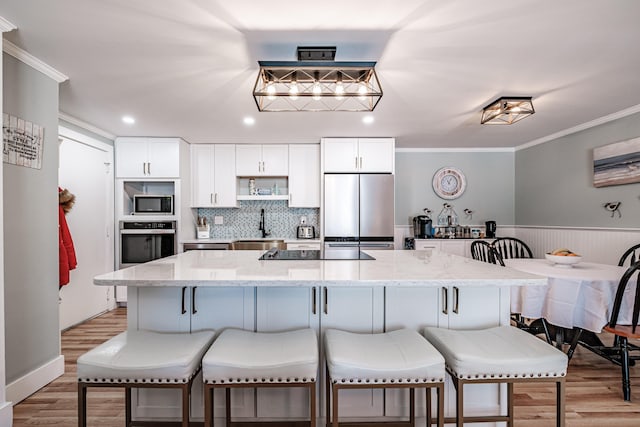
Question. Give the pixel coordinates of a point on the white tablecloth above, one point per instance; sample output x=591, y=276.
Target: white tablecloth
x=579, y=296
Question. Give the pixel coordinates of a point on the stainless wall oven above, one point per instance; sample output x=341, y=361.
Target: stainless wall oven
x=144, y=241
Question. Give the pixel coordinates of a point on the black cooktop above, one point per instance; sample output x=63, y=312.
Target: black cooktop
x=327, y=254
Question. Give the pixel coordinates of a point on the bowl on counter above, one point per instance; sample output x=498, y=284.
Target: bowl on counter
x=565, y=261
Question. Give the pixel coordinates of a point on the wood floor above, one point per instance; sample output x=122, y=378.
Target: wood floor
x=594, y=396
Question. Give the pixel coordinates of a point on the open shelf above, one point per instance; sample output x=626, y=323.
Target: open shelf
x=271, y=197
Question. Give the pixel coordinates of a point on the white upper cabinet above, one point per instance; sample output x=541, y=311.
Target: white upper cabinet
x=262, y=160
x=359, y=155
x=304, y=175
x=148, y=157
x=213, y=175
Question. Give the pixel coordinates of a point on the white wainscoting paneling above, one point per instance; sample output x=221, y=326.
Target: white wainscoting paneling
x=604, y=246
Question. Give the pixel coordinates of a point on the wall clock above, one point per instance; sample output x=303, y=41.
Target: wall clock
x=449, y=183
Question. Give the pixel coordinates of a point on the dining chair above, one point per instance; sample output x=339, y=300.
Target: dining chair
x=628, y=329
x=481, y=250
x=631, y=256
x=510, y=247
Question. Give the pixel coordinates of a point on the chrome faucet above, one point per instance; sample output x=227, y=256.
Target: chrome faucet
x=262, y=228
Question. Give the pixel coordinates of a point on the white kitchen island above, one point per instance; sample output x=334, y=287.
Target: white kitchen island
x=199, y=290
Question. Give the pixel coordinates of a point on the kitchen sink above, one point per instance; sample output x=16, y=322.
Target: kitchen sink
x=257, y=245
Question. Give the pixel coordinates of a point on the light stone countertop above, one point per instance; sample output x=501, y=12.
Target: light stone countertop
x=390, y=268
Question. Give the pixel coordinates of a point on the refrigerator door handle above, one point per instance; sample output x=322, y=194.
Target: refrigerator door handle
x=342, y=245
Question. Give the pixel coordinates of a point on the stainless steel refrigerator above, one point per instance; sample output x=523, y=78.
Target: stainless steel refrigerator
x=359, y=211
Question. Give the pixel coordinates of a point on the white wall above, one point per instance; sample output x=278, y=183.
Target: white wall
x=30, y=226
x=6, y=411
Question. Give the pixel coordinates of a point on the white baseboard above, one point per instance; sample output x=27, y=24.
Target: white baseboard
x=6, y=414
x=25, y=386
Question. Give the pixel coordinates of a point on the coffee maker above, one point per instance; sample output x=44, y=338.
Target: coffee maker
x=490, y=229
x=422, y=227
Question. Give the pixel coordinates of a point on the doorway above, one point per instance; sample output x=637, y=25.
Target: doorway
x=86, y=170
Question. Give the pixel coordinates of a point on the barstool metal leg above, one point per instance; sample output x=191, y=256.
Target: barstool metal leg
x=312, y=405
x=510, y=404
x=459, y=385
x=127, y=406
x=335, y=405
x=440, y=393
x=560, y=400
x=208, y=406
x=82, y=405
x=412, y=406
x=428, y=406
x=186, y=391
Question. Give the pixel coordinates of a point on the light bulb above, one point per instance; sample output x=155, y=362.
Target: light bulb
x=362, y=90
x=339, y=91
x=271, y=92
x=317, y=91
x=293, y=92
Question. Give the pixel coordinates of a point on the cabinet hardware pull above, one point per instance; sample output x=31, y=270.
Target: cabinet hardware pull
x=326, y=303
x=445, y=301
x=144, y=168
x=211, y=197
x=356, y=162
x=360, y=162
x=149, y=168
x=215, y=198
x=456, y=292
x=184, y=289
x=193, y=300
x=314, y=300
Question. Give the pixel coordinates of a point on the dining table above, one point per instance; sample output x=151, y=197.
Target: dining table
x=577, y=298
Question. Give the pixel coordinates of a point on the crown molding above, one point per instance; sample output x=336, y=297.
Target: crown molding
x=86, y=126
x=593, y=123
x=457, y=150
x=33, y=62
x=6, y=26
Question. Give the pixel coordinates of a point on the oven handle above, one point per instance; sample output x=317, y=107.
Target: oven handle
x=147, y=231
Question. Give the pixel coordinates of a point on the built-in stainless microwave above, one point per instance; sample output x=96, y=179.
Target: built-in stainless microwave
x=149, y=204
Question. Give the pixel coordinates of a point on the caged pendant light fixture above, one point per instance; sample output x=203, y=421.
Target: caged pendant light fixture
x=316, y=83
x=507, y=110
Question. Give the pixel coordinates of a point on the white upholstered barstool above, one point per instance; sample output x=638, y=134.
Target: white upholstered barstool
x=503, y=354
x=143, y=359
x=398, y=359
x=241, y=359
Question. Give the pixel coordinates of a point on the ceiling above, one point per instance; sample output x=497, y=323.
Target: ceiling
x=187, y=68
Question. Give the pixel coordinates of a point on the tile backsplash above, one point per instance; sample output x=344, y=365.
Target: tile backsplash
x=243, y=223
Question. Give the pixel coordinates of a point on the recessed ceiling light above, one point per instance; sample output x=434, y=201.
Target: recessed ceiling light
x=367, y=120
x=128, y=120
x=249, y=121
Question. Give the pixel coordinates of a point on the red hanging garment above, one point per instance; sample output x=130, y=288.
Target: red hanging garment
x=67, y=252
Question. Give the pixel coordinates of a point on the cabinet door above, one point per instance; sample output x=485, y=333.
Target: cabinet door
x=304, y=176
x=474, y=308
x=411, y=308
x=355, y=309
x=248, y=160
x=275, y=160
x=131, y=158
x=202, y=175
x=285, y=309
x=376, y=155
x=426, y=244
x=340, y=154
x=224, y=176
x=218, y=308
x=159, y=309
x=163, y=158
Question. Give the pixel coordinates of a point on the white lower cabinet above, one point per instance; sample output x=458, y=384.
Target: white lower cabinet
x=357, y=309
x=454, y=308
x=277, y=310
x=175, y=309
x=354, y=309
